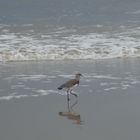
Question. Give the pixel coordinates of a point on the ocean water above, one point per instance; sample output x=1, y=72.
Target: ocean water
x=59, y=30
x=36, y=79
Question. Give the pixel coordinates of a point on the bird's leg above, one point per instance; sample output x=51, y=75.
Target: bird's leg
x=73, y=93
x=68, y=98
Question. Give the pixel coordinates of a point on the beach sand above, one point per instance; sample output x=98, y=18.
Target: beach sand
x=107, y=108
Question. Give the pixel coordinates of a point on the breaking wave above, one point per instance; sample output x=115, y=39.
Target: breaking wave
x=62, y=43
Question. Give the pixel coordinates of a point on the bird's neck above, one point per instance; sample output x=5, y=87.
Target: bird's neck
x=77, y=78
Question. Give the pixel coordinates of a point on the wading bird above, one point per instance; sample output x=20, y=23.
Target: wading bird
x=69, y=85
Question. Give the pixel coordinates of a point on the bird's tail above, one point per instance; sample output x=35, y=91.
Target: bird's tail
x=61, y=87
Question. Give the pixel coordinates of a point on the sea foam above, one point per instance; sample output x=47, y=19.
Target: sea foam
x=68, y=44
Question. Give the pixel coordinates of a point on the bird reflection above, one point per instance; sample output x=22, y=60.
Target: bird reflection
x=71, y=114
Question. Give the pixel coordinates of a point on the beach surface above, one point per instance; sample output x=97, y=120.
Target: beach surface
x=107, y=108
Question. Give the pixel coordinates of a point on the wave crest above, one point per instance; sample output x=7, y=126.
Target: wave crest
x=74, y=53
x=68, y=45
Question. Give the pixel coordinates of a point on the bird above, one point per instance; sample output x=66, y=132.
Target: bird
x=70, y=84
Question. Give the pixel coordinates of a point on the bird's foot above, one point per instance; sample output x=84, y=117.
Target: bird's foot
x=74, y=94
x=68, y=99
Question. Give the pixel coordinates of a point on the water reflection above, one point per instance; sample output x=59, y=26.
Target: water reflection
x=70, y=114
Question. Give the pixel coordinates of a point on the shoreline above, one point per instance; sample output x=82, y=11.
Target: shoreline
x=107, y=106
x=67, y=60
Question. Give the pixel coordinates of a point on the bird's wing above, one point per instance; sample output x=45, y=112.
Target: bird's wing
x=70, y=83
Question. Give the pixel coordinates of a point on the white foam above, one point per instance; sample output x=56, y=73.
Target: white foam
x=66, y=76
x=135, y=82
x=125, y=86
x=45, y=92
x=134, y=12
x=107, y=77
x=21, y=47
x=13, y=97
x=23, y=77
x=17, y=86
x=111, y=88
x=39, y=92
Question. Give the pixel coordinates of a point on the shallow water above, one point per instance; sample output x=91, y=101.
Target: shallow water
x=108, y=100
x=22, y=78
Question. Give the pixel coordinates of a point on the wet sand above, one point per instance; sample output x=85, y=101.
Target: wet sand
x=107, y=108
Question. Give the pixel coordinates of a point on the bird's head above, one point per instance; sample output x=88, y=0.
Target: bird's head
x=78, y=75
